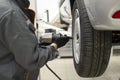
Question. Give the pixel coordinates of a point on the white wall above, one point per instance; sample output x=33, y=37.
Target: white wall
x=33, y=4
x=40, y=6
x=43, y=5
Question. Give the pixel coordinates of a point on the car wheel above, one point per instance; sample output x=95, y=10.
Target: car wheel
x=91, y=48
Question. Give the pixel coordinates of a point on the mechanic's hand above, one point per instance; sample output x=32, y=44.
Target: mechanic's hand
x=61, y=41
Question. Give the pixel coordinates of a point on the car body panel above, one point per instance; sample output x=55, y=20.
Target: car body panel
x=65, y=11
x=100, y=14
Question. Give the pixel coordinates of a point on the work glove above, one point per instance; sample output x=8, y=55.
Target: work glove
x=61, y=40
x=54, y=54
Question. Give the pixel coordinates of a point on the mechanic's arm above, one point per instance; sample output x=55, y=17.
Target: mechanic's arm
x=23, y=44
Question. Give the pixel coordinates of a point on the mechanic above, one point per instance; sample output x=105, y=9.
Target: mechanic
x=21, y=56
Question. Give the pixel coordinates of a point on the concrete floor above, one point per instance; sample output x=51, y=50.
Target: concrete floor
x=65, y=69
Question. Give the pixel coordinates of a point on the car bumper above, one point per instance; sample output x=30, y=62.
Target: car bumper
x=100, y=13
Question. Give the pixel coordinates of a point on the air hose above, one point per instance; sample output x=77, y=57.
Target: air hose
x=53, y=72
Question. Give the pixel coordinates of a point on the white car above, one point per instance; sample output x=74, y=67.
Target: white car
x=65, y=12
x=95, y=26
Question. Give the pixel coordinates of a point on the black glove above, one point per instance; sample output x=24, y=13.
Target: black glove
x=54, y=54
x=61, y=40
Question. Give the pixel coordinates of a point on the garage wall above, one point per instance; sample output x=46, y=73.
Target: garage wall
x=51, y=6
x=33, y=4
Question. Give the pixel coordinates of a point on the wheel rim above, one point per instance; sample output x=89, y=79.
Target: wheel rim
x=76, y=37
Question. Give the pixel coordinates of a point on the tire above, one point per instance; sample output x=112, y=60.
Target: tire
x=91, y=48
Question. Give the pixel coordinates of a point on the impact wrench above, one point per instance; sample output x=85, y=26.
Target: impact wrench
x=49, y=38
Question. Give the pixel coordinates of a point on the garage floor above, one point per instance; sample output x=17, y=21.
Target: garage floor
x=65, y=69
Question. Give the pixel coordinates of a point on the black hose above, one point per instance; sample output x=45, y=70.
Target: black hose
x=53, y=72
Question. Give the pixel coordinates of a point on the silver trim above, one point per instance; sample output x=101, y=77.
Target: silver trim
x=76, y=37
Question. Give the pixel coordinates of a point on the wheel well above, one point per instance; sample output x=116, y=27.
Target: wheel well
x=116, y=37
